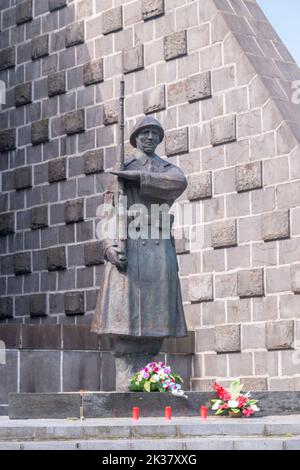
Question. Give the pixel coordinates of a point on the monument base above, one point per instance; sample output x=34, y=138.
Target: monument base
x=115, y=404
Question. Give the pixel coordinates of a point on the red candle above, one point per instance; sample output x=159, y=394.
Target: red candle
x=168, y=412
x=203, y=412
x=135, y=412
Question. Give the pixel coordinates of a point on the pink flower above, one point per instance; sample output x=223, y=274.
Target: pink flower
x=248, y=412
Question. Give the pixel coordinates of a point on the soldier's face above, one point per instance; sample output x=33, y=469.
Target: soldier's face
x=147, y=140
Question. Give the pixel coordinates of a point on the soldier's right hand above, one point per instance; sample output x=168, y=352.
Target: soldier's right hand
x=115, y=256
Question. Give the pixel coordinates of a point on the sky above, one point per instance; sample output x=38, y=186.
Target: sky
x=285, y=17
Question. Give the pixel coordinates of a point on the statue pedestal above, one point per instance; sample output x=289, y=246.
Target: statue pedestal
x=127, y=365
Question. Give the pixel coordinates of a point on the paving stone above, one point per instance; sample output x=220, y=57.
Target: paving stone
x=133, y=59
x=200, y=288
x=93, y=72
x=280, y=334
x=7, y=223
x=38, y=305
x=7, y=58
x=56, y=258
x=154, y=100
x=110, y=113
x=23, y=94
x=112, y=20
x=248, y=176
x=93, y=161
x=6, y=308
x=199, y=87
x=74, y=303
x=152, y=9
x=200, y=186
x=75, y=34
x=223, y=130
x=57, y=170
x=74, y=121
x=224, y=234
x=175, y=45
x=57, y=83
x=74, y=211
x=56, y=4
x=276, y=225
x=227, y=338
x=22, y=263
x=24, y=12
x=176, y=141
x=93, y=253
x=23, y=178
x=39, y=217
x=250, y=283
x=40, y=131
x=7, y=140
x=40, y=46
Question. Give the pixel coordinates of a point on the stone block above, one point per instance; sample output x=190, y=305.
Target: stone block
x=6, y=308
x=57, y=170
x=9, y=333
x=56, y=4
x=276, y=225
x=23, y=178
x=175, y=45
x=22, y=263
x=228, y=338
x=24, y=12
x=74, y=211
x=110, y=113
x=200, y=288
x=177, y=141
x=254, y=335
x=133, y=59
x=57, y=83
x=23, y=94
x=7, y=223
x=223, y=130
x=81, y=371
x=250, y=283
x=93, y=161
x=7, y=140
x=93, y=253
x=248, y=176
x=224, y=234
x=295, y=278
x=38, y=305
x=7, y=58
x=152, y=9
x=74, y=121
x=56, y=258
x=93, y=72
x=74, y=303
x=40, y=371
x=40, y=46
x=40, y=131
x=75, y=34
x=154, y=100
x=79, y=337
x=112, y=20
x=205, y=339
x=39, y=217
x=200, y=186
x=199, y=87
x=280, y=334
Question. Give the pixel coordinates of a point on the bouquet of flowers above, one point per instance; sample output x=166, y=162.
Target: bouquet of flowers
x=233, y=401
x=156, y=377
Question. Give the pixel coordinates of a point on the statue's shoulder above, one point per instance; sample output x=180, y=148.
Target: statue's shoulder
x=162, y=162
x=129, y=161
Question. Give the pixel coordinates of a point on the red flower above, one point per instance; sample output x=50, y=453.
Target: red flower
x=242, y=401
x=248, y=412
x=222, y=393
x=224, y=407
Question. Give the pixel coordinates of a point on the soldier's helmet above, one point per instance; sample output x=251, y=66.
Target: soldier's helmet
x=143, y=123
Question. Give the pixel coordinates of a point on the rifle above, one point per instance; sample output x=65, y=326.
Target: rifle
x=120, y=199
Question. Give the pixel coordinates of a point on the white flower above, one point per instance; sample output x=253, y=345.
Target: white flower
x=178, y=393
x=155, y=378
x=216, y=405
x=233, y=404
x=254, y=407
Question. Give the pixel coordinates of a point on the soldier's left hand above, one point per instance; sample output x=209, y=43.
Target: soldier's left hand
x=127, y=174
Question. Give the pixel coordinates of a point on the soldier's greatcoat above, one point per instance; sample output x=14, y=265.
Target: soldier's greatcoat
x=145, y=300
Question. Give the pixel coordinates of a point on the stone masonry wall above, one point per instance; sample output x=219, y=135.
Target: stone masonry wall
x=218, y=77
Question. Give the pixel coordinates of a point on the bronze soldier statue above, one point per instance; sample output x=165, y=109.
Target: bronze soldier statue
x=140, y=302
